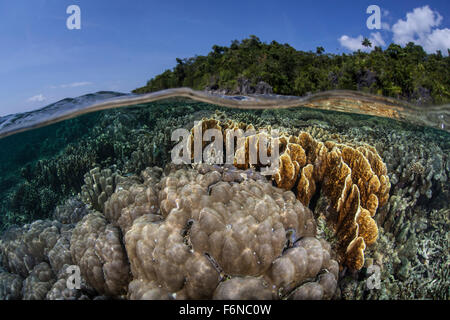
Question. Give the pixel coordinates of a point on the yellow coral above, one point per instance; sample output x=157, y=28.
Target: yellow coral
x=367, y=227
x=291, y=161
x=354, y=255
x=306, y=186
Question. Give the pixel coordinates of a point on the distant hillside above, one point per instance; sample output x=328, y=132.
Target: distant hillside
x=252, y=66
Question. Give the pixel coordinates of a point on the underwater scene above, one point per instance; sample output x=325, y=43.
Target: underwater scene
x=355, y=207
x=224, y=159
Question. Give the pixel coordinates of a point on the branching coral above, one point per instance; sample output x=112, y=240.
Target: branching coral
x=99, y=186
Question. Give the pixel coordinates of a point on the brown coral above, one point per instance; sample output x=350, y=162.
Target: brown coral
x=291, y=160
x=306, y=185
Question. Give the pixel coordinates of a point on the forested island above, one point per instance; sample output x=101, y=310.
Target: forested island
x=252, y=66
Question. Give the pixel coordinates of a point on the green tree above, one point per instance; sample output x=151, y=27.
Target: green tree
x=366, y=43
x=403, y=72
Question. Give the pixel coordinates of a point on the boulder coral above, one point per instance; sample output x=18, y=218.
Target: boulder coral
x=34, y=257
x=10, y=285
x=25, y=247
x=97, y=249
x=70, y=212
x=60, y=291
x=134, y=197
x=38, y=283
x=215, y=233
x=196, y=232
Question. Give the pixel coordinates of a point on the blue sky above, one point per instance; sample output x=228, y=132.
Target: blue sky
x=122, y=44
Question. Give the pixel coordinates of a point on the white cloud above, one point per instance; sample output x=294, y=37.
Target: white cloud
x=351, y=43
x=438, y=39
x=355, y=44
x=376, y=39
x=72, y=85
x=420, y=28
x=37, y=98
x=78, y=84
x=417, y=24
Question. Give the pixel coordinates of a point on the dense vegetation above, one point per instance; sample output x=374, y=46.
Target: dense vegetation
x=407, y=73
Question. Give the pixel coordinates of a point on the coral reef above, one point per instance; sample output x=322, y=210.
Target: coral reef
x=59, y=255
x=338, y=165
x=34, y=258
x=244, y=288
x=188, y=245
x=24, y=248
x=412, y=225
x=60, y=291
x=307, y=268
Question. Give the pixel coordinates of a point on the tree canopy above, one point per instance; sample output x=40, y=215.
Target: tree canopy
x=407, y=72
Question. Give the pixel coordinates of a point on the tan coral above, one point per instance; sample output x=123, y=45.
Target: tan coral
x=97, y=249
x=287, y=172
x=214, y=230
x=338, y=182
x=362, y=173
x=380, y=170
x=198, y=131
x=133, y=198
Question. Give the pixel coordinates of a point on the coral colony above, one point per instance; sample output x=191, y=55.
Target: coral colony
x=203, y=202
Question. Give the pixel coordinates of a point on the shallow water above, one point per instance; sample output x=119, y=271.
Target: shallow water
x=338, y=100
x=47, y=155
